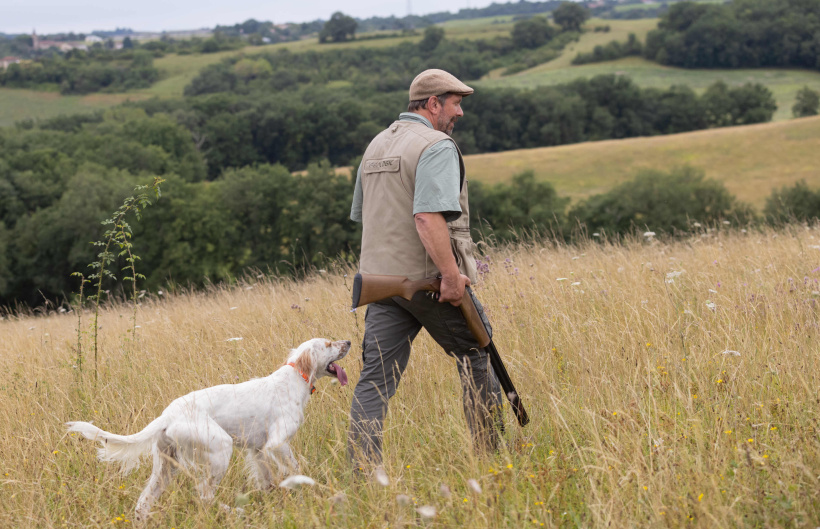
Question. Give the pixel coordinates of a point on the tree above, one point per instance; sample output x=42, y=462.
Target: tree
x=339, y=28
x=570, y=16
x=532, y=32
x=127, y=43
x=807, y=103
x=432, y=36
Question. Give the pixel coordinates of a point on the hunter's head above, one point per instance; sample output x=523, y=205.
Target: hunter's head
x=437, y=95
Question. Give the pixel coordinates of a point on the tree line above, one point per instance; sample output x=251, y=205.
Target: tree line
x=738, y=34
x=81, y=72
x=60, y=179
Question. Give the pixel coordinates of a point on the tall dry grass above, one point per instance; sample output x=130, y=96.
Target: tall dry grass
x=668, y=384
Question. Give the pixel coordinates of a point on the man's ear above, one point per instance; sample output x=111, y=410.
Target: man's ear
x=433, y=105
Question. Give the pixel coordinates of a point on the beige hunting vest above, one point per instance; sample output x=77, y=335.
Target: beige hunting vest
x=390, y=242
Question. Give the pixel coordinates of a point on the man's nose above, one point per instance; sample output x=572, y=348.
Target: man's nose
x=459, y=112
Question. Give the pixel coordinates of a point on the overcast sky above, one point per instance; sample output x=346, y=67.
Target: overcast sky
x=55, y=16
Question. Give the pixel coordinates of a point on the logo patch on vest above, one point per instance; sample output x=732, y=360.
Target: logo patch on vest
x=383, y=165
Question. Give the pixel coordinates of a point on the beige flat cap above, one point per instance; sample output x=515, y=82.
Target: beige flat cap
x=435, y=83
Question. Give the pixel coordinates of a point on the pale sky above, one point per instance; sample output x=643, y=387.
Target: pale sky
x=84, y=16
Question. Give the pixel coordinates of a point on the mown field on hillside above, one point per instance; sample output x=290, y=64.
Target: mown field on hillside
x=751, y=160
x=669, y=385
x=784, y=83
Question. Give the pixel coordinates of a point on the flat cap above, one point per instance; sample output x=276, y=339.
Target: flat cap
x=435, y=83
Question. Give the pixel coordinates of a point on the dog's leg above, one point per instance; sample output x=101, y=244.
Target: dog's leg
x=217, y=454
x=161, y=475
x=259, y=468
x=287, y=458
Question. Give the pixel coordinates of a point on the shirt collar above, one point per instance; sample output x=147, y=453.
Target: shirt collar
x=412, y=116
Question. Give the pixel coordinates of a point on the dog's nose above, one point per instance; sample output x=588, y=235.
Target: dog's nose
x=347, y=343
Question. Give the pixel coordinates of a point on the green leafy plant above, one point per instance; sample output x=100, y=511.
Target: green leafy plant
x=115, y=243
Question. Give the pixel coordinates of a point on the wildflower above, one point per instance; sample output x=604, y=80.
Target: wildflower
x=720, y=381
x=773, y=428
x=427, y=511
x=465, y=500
x=238, y=338
x=728, y=432
x=730, y=352
x=296, y=481
x=645, y=487
x=750, y=440
x=55, y=452
x=561, y=279
x=474, y=486
x=700, y=497
x=381, y=477
x=510, y=465
x=649, y=234
x=765, y=456
x=444, y=490
x=408, y=466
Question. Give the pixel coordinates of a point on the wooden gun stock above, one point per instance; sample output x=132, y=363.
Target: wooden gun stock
x=371, y=288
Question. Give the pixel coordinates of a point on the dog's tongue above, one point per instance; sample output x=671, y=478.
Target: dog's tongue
x=340, y=373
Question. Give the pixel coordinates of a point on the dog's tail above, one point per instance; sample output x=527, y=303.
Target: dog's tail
x=126, y=449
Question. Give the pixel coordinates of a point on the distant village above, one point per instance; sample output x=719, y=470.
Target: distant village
x=114, y=42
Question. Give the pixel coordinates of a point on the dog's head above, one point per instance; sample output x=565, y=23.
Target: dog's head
x=317, y=358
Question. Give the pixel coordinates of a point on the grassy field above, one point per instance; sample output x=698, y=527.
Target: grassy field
x=784, y=83
x=669, y=385
x=619, y=30
x=750, y=160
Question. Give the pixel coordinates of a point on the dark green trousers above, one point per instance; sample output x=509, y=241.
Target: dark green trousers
x=390, y=327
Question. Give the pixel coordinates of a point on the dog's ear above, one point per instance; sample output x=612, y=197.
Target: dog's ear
x=306, y=363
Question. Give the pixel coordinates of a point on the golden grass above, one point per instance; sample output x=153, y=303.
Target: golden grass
x=751, y=160
x=640, y=415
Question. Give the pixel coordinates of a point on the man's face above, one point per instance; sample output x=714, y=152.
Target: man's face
x=448, y=114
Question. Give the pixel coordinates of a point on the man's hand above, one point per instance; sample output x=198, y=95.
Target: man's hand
x=435, y=237
x=452, y=289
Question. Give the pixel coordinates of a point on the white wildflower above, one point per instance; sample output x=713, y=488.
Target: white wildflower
x=561, y=279
x=710, y=304
x=238, y=338
x=444, y=490
x=233, y=308
x=427, y=511
x=729, y=352
x=474, y=486
x=596, y=234
x=381, y=477
x=649, y=234
x=296, y=481
x=576, y=283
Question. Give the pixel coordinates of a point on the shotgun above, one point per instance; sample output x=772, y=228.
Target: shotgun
x=368, y=288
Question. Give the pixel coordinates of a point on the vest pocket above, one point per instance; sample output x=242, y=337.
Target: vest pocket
x=462, y=245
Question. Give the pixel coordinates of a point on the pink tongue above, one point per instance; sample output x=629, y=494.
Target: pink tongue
x=340, y=373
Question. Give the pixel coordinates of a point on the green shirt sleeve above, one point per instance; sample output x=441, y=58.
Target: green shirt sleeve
x=438, y=179
x=356, y=207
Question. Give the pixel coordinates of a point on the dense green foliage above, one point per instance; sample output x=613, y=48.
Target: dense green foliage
x=660, y=202
x=79, y=72
x=532, y=32
x=612, y=51
x=788, y=204
x=339, y=28
x=570, y=16
x=506, y=211
x=742, y=33
x=807, y=103
x=60, y=180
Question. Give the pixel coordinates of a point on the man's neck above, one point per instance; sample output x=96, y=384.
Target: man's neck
x=423, y=112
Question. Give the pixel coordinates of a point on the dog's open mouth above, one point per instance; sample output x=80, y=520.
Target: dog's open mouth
x=338, y=372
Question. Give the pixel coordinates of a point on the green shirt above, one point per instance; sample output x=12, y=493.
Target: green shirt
x=438, y=179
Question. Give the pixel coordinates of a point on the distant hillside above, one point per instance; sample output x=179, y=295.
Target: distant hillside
x=750, y=160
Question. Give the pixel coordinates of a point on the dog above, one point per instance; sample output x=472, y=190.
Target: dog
x=197, y=432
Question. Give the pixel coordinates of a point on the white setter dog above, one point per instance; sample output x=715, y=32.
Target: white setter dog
x=197, y=431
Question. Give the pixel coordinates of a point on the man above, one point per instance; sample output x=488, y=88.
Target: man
x=411, y=197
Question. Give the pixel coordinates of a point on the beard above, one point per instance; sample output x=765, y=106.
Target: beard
x=446, y=125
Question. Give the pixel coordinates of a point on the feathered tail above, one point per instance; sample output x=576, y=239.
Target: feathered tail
x=126, y=449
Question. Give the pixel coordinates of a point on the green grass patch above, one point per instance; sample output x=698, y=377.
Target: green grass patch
x=751, y=160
